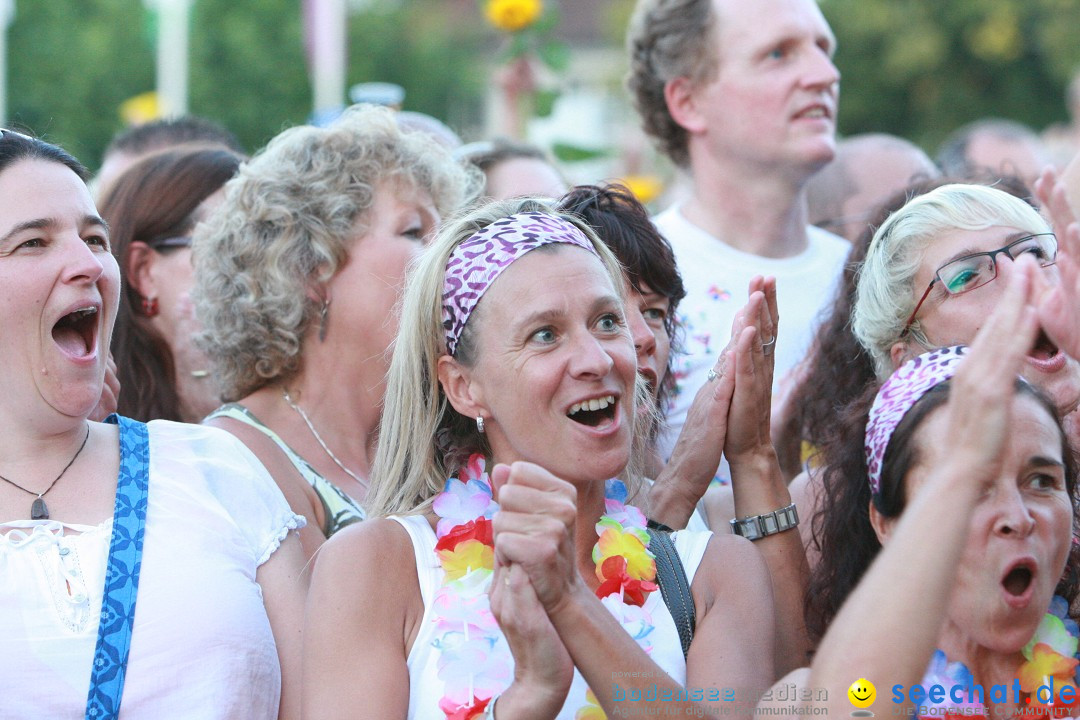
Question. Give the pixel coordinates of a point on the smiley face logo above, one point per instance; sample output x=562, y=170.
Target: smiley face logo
x=862, y=693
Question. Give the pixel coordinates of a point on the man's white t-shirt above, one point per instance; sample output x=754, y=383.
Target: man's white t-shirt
x=716, y=277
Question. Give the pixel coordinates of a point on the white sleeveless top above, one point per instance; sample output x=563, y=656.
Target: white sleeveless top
x=425, y=688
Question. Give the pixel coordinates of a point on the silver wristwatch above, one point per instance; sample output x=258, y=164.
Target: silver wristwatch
x=756, y=527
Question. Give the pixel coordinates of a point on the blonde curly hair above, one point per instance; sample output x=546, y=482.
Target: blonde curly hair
x=287, y=223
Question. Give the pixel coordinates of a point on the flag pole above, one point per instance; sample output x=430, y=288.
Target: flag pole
x=327, y=40
x=7, y=15
x=172, y=56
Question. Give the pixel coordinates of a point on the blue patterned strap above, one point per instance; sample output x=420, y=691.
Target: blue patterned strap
x=122, y=572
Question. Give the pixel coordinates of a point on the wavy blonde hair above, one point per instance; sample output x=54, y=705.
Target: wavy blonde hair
x=288, y=222
x=422, y=438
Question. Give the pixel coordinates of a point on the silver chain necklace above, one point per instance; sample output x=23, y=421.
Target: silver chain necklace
x=318, y=439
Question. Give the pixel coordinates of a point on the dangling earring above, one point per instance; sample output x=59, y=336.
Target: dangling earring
x=150, y=307
x=322, y=319
x=480, y=424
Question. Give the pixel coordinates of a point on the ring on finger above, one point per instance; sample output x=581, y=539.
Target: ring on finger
x=767, y=348
x=712, y=375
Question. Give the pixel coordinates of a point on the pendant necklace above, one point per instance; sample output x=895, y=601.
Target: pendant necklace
x=39, y=510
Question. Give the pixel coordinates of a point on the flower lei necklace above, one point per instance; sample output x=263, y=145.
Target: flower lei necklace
x=1050, y=656
x=475, y=663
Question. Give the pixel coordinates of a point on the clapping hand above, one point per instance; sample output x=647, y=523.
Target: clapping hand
x=534, y=568
x=1059, y=303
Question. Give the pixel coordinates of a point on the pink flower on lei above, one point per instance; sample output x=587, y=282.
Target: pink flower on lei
x=476, y=667
x=636, y=621
x=465, y=498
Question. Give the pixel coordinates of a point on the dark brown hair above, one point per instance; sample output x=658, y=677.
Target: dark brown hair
x=153, y=200
x=623, y=224
x=846, y=537
x=15, y=146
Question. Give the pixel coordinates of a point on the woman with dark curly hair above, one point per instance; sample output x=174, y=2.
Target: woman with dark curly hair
x=957, y=516
x=720, y=417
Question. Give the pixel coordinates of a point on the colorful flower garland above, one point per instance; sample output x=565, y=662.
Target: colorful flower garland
x=1051, y=654
x=475, y=663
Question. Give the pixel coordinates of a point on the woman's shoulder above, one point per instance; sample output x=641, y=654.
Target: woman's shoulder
x=357, y=561
x=179, y=434
x=208, y=451
x=212, y=467
x=374, y=533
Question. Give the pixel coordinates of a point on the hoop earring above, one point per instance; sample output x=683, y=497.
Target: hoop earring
x=480, y=424
x=150, y=306
x=322, y=319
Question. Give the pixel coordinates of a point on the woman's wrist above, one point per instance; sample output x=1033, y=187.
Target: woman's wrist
x=761, y=460
x=671, y=501
x=526, y=699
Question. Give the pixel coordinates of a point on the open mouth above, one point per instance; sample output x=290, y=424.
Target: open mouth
x=815, y=112
x=1018, y=580
x=76, y=332
x=593, y=412
x=1045, y=355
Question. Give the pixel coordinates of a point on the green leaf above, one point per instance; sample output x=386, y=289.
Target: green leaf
x=556, y=55
x=544, y=102
x=565, y=152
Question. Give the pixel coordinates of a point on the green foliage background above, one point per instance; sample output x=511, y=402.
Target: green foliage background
x=920, y=68
x=916, y=68
x=72, y=62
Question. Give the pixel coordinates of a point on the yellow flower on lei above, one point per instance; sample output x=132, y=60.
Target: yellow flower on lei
x=513, y=15
x=612, y=542
x=469, y=555
x=591, y=710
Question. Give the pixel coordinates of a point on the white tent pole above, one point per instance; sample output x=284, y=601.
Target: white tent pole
x=7, y=15
x=172, y=55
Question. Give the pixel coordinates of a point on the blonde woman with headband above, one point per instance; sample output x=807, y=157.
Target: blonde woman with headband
x=527, y=587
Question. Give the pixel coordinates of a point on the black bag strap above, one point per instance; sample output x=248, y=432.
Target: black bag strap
x=674, y=587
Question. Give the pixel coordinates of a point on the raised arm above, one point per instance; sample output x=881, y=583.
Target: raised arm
x=889, y=626
x=758, y=485
x=697, y=453
x=1059, y=303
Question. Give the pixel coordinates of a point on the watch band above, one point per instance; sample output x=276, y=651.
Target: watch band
x=756, y=527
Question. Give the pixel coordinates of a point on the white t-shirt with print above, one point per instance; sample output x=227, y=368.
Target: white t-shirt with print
x=716, y=276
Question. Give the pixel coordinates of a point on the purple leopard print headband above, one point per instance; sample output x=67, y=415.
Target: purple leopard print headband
x=476, y=263
x=899, y=394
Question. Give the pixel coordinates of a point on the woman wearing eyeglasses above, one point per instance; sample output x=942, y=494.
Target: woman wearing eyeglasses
x=152, y=210
x=931, y=278
x=934, y=273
